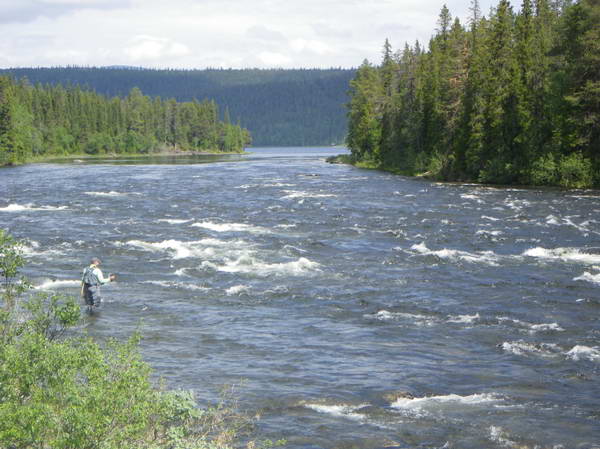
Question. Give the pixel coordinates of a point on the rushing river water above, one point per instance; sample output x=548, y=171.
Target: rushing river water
x=353, y=308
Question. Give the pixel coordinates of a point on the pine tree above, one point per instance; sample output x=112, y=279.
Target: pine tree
x=580, y=45
x=14, y=125
x=364, y=126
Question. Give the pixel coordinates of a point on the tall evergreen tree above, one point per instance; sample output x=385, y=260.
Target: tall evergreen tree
x=516, y=99
x=364, y=126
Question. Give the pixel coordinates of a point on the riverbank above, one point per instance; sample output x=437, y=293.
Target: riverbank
x=348, y=159
x=83, y=157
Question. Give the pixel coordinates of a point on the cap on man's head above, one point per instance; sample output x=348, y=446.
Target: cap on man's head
x=95, y=261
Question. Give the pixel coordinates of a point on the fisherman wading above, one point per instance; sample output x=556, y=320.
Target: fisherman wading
x=90, y=284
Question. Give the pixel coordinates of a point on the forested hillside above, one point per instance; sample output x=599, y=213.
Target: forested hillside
x=278, y=107
x=511, y=98
x=54, y=120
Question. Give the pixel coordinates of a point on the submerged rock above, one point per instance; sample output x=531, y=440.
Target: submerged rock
x=395, y=395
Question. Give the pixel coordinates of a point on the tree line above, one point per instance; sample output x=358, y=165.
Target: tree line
x=48, y=120
x=278, y=107
x=513, y=98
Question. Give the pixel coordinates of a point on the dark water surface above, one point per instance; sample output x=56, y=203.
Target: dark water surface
x=356, y=308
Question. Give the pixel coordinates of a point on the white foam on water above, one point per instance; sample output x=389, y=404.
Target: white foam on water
x=470, y=196
x=293, y=194
x=490, y=233
x=531, y=327
x=339, y=411
x=51, y=284
x=425, y=405
x=173, y=220
x=485, y=217
x=517, y=204
x=486, y=257
x=417, y=319
x=589, y=277
x=552, y=220
x=524, y=348
x=209, y=241
x=499, y=436
x=34, y=249
x=230, y=227
x=584, y=352
x=545, y=327
x=111, y=193
x=394, y=232
x=237, y=289
x=568, y=221
x=180, y=249
x=463, y=319
x=30, y=248
x=279, y=184
x=250, y=265
x=295, y=248
x=563, y=254
x=30, y=208
x=580, y=227
x=285, y=226
x=184, y=285
x=584, y=196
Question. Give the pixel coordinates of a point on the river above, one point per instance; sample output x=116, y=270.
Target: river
x=351, y=308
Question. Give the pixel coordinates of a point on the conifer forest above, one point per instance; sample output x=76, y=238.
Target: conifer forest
x=41, y=121
x=508, y=98
x=292, y=107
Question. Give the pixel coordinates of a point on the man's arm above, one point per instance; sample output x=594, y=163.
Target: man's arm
x=100, y=276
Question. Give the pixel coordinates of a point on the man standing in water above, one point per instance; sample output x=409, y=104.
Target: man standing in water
x=90, y=284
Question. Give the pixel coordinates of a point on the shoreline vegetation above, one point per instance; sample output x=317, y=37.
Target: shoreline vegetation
x=160, y=153
x=41, y=122
x=510, y=99
x=347, y=159
x=62, y=389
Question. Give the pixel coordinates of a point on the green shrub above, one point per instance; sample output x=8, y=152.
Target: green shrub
x=498, y=171
x=575, y=171
x=544, y=171
x=437, y=165
x=99, y=143
x=61, y=390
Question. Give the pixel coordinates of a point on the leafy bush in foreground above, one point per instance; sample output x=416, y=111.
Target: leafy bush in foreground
x=67, y=391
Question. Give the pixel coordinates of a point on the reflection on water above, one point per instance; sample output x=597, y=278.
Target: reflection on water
x=356, y=308
x=154, y=159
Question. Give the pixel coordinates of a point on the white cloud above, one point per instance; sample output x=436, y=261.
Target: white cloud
x=314, y=46
x=29, y=10
x=271, y=59
x=215, y=33
x=262, y=33
x=150, y=48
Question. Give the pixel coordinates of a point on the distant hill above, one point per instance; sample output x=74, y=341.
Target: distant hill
x=278, y=107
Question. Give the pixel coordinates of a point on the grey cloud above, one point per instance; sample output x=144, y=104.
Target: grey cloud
x=323, y=29
x=263, y=33
x=393, y=30
x=30, y=10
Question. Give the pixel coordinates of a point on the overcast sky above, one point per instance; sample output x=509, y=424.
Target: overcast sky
x=213, y=33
